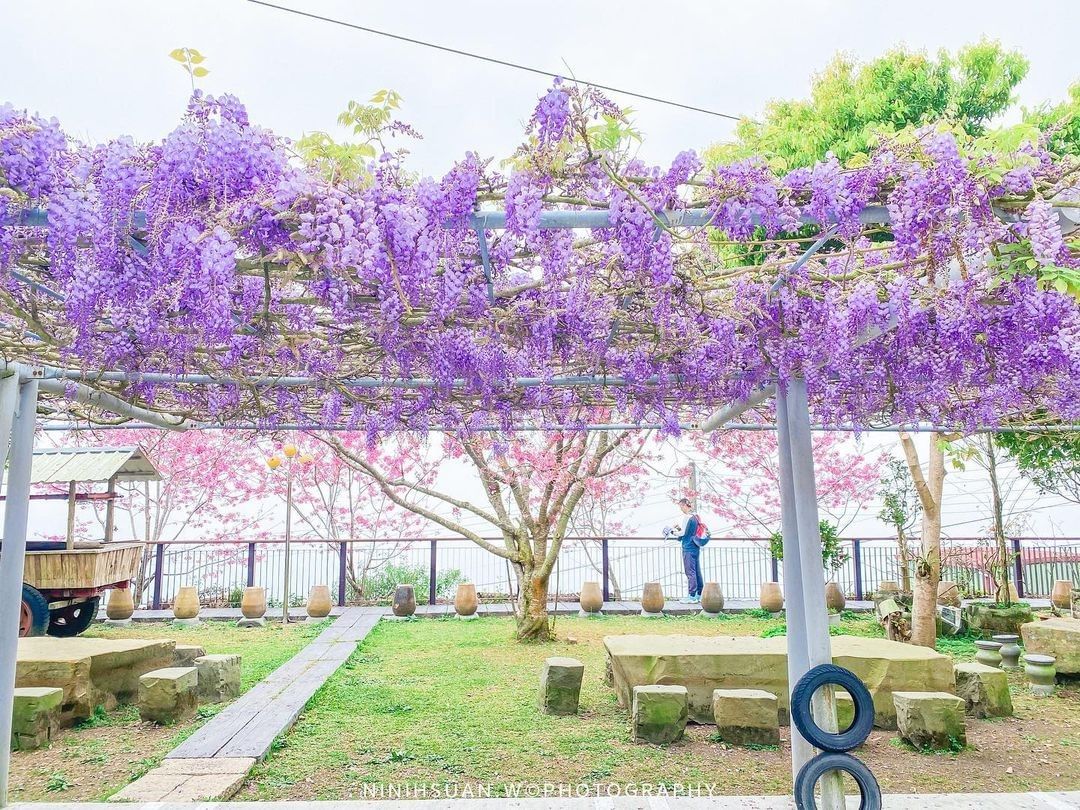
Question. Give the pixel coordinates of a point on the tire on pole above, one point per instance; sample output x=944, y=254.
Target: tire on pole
x=803, y=719
x=869, y=790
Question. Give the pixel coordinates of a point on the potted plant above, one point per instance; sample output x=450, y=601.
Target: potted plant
x=833, y=557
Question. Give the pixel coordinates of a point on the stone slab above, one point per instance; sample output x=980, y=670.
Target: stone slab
x=560, y=685
x=985, y=690
x=658, y=714
x=184, y=655
x=705, y=663
x=746, y=716
x=219, y=677
x=933, y=720
x=1059, y=637
x=188, y=780
x=91, y=671
x=168, y=695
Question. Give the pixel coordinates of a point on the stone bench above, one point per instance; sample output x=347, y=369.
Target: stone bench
x=168, y=695
x=659, y=714
x=184, y=655
x=931, y=720
x=1059, y=637
x=560, y=685
x=35, y=716
x=985, y=690
x=746, y=716
x=219, y=677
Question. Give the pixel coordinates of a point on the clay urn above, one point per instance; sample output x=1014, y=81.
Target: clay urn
x=120, y=606
x=404, y=600
x=772, y=598
x=1060, y=595
x=465, y=601
x=592, y=598
x=318, y=603
x=652, y=598
x=712, y=600
x=834, y=597
x=948, y=593
x=186, y=604
x=253, y=602
x=888, y=588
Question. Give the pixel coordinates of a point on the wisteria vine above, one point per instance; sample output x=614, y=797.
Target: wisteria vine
x=219, y=252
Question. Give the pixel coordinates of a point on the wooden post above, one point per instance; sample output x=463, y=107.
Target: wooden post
x=110, y=511
x=71, y=516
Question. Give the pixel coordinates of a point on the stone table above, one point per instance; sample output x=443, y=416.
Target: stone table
x=1059, y=637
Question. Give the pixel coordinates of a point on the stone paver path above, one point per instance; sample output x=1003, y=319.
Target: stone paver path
x=952, y=801
x=212, y=762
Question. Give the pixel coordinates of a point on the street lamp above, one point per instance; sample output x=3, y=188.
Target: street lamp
x=292, y=457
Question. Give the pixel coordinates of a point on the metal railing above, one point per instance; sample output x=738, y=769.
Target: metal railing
x=367, y=570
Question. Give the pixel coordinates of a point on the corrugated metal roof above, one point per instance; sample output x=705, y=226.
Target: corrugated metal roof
x=91, y=464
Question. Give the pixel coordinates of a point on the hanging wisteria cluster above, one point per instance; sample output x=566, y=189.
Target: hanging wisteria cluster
x=219, y=252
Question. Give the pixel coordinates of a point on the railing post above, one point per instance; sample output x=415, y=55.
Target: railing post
x=774, y=568
x=431, y=588
x=251, y=565
x=343, y=569
x=856, y=554
x=159, y=566
x=1018, y=566
x=605, y=568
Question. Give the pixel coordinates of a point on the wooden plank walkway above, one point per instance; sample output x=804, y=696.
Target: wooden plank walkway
x=249, y=725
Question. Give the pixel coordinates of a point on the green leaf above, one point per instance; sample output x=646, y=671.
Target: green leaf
x=197, y=58
x=179, y=54
x=199, y=72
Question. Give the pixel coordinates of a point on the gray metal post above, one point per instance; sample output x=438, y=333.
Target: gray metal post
x=9, y=397
x=815, y=615
x=17, y=506
x=798, y=662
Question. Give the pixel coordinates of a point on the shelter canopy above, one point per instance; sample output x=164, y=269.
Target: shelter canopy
x=67, y=464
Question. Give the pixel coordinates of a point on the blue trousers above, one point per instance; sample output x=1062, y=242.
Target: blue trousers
x=691, y=560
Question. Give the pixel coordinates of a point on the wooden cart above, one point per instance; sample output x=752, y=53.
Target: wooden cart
x=63, y=581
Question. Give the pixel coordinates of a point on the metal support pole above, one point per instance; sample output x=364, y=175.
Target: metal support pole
x=433, y=568
x=159, y=574
x=856, y=557
x=811, y=572
x=605, y=567
x=343, y=568
x=16, y=511
x=288, y=540
x=1018, y=566
x=250, y=565
x=70, y=537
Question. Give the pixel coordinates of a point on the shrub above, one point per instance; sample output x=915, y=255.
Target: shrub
x=379, y=584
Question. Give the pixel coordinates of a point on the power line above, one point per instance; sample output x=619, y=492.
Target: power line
x=490, y=59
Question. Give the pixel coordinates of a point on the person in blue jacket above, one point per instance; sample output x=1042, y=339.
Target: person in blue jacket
x=691, y=553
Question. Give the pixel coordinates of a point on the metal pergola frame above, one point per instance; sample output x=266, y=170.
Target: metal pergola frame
x=808, y=637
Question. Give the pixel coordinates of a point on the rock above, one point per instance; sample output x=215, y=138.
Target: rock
x=219, y=677
x=168, y=695
x=746, y=716
x=985, y=690
x=185, y=655
x=845, y=710
x=1059, y=637
x=659, y=713
x=35, y=716
x=91, y=671
x=560, y=685
x=705, y=663
x=986, y=619
x=931, y=720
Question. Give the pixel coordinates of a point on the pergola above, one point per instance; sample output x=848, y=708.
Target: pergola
x=554, y=313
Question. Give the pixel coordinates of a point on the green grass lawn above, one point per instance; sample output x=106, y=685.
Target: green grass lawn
x=94, y=760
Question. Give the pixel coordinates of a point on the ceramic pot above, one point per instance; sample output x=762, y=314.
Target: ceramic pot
x=253, y=602
x=404, y=600
x=465, y=601
x=652, y=598
x=318, y=603
x=948, y=593
x=592, y=598
x=1040, y=673
x=1010, y=650
x=1060, y=596
x=771, y=598
x=120, y=606
x=186, y=604
x=834, y=597
x=1076, y=603
x=989, y=653
x=712, y=600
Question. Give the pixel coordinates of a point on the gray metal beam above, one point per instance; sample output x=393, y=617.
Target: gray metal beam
x=16, y=509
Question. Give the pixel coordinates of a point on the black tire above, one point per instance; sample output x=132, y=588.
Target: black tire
x=34, y=620
x=813, y=770
x=822, y=675
x=71, y=620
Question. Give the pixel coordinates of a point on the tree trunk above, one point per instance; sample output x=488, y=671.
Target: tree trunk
x=928, y=564
x=905, y=562
x=531, y=610
x=1000, y=570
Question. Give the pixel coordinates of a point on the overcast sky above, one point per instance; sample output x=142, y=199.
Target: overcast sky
x=101, y=67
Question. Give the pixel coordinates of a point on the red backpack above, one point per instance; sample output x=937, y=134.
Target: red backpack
x=703, y=535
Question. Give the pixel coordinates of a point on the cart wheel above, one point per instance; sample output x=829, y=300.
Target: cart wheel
x=73, y=619
x=34, y=616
